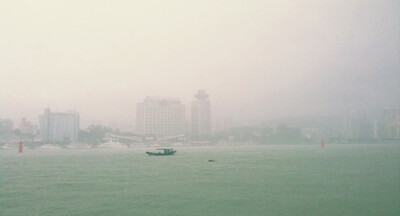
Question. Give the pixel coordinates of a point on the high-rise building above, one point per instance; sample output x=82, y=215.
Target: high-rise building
x=59, y=126
x=160, y=117
x=392, y=123
x=6, y=125
x=27, y=127
x=201, y=115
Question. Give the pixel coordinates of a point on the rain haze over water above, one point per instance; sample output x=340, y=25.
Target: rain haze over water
x=273, y=107
x=257, y=59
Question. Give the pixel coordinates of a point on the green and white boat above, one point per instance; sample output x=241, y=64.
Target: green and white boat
x=162, y=152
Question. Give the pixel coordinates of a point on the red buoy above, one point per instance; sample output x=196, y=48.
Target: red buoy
x=20, y=147
x=322, y=143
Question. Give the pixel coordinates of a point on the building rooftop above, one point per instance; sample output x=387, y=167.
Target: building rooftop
x=201, y=95
x=167, y=100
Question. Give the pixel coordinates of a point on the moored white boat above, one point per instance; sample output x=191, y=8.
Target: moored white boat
x=78, y=145
x=111, y=144
x=8, y=146
x=50, y=147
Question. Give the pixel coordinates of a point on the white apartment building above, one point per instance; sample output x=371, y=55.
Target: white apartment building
x=160, y=117
x=59, y=127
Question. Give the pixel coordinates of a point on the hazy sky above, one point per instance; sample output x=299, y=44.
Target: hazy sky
x=257, y=59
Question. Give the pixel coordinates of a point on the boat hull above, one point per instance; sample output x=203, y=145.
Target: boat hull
x=160, y=153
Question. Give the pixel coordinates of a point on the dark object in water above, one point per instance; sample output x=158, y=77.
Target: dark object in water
x=211, y=160
x=164, y=152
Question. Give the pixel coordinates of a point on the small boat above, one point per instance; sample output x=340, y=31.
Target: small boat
x=112, y=143
x=162, y=152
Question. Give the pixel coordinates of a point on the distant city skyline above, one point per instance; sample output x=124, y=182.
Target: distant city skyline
x=161, y=118
x=217, y=122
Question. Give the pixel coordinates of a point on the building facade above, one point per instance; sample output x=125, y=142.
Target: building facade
x=6, y=125
x=160, y=117
x=27, y=127
x=392, y=123
x=201, y=115
x=59, y=127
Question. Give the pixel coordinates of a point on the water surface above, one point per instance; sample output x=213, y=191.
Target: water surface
x=247, y=180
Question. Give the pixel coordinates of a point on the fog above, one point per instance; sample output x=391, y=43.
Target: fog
x=256, y=59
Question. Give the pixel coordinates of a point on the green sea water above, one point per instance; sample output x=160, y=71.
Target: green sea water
x=246, y=180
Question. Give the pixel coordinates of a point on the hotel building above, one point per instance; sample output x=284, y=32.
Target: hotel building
x=59, y=126
x=160, y=117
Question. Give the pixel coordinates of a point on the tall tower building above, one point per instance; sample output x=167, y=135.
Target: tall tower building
x=160, y=117
x=201, y=115
x=59, y=126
